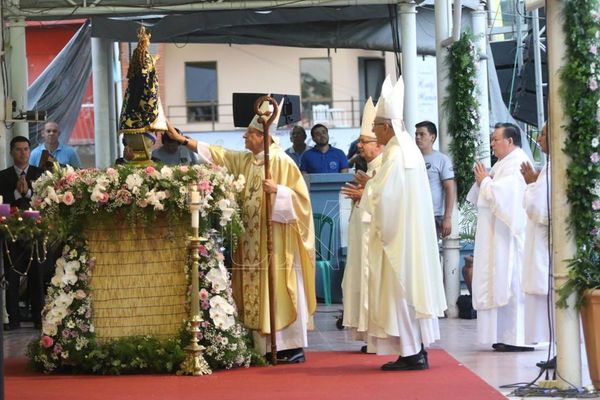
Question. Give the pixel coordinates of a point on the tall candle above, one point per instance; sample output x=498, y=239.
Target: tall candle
x=4, y=210
x=31, y=214
x=194, y=196
x=1, y=199
x=195, y=218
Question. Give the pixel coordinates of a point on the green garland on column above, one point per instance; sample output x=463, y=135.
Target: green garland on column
x=580, y=80
x=462, y=108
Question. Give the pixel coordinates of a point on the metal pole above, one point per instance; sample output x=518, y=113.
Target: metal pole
x=480, y=33
x=408, y=28
x=451, y=244
x=568, y=345
x=537, y=63
x=18, y=71
x=519, y=36
x=4, y=131
x=101, y=78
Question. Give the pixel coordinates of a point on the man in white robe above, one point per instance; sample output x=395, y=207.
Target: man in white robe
x=535, y=280
x=405, y=291
x=355, y=281
x=498, y=254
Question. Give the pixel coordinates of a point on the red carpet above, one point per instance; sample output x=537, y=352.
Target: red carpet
x=325, y=375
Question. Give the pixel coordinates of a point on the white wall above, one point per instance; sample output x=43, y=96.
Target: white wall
x=254, y=68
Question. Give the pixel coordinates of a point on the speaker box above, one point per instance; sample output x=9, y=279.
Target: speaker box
x=243, y=108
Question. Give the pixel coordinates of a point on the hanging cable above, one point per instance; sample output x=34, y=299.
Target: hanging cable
x=393, y=17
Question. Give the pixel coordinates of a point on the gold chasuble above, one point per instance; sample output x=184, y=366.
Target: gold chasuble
x=295, y=239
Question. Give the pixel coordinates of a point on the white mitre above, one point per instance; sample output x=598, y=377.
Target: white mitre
x=266, y=106
x=391, y=106
x=366, y=127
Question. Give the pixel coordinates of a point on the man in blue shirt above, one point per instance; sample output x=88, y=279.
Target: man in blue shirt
x=323, y=158
x=63, y=153
x=299, y=146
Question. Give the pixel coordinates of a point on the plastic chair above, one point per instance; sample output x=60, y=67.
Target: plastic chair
x=323, y=248
x=320, y=114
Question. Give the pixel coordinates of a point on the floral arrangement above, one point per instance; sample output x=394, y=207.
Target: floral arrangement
x=67, y=330
x=67, y=197
x=225, y=340
x=463, y=111
x=580, y=78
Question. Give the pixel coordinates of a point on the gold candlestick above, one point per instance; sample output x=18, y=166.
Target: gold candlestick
x=194, y=363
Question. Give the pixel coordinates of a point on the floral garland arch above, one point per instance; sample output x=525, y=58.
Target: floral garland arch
x=67, y=197
x=581, y=94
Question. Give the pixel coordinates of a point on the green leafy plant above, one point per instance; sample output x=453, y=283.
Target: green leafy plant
x=462, y=108
x=580, y=80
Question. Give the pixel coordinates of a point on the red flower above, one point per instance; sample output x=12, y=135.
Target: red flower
x=46, y=341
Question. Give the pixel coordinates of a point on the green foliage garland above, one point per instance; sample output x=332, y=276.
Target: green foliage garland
x=462, y=108
x=580, y=79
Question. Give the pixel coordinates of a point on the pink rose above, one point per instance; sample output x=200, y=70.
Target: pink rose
x=150, y=170
x=593, y=84
x=184, y=168
x=203, y=294
x=80, y=294
x=596, y=205
x=68, y=198
x=203, y=252
x=111, y=172
x=204, y=186
x=46, y=341
x=104, y=198
x=595, y=157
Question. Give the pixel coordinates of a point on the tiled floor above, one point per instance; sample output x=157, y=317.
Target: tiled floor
x=458, y=339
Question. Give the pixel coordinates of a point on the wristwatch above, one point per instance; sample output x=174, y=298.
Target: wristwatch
x=185, y=142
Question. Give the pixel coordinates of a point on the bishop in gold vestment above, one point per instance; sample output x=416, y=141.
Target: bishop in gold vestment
x=293, y=239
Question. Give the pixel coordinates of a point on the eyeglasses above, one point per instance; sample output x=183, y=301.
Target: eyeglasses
x=374, y=124
x=360, y=141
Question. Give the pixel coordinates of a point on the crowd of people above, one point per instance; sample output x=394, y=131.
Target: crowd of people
x=393, y=289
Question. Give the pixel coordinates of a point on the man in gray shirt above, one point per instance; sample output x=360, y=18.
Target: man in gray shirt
x=173, y=154
x=441, y=177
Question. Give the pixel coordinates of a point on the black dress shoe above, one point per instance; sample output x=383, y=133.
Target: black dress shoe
x=415, y=362
x=509, y=348
x=290, y=356
x=547, y=364
x=365, y=350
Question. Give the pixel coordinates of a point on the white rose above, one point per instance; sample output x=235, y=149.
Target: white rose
x=72, y=266
x=49, y=328
x=133, y=181
x=166, y=172
x=69, y=278
x=52, y=195
x=64, y=300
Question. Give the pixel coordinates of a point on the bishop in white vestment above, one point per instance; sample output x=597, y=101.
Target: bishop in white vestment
x=498, y=253
x=355, y=281
x=405, y=293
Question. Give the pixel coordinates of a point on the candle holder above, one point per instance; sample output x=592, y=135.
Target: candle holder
x=194, y=363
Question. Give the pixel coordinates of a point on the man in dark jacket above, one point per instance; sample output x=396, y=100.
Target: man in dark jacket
x=19, y=260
